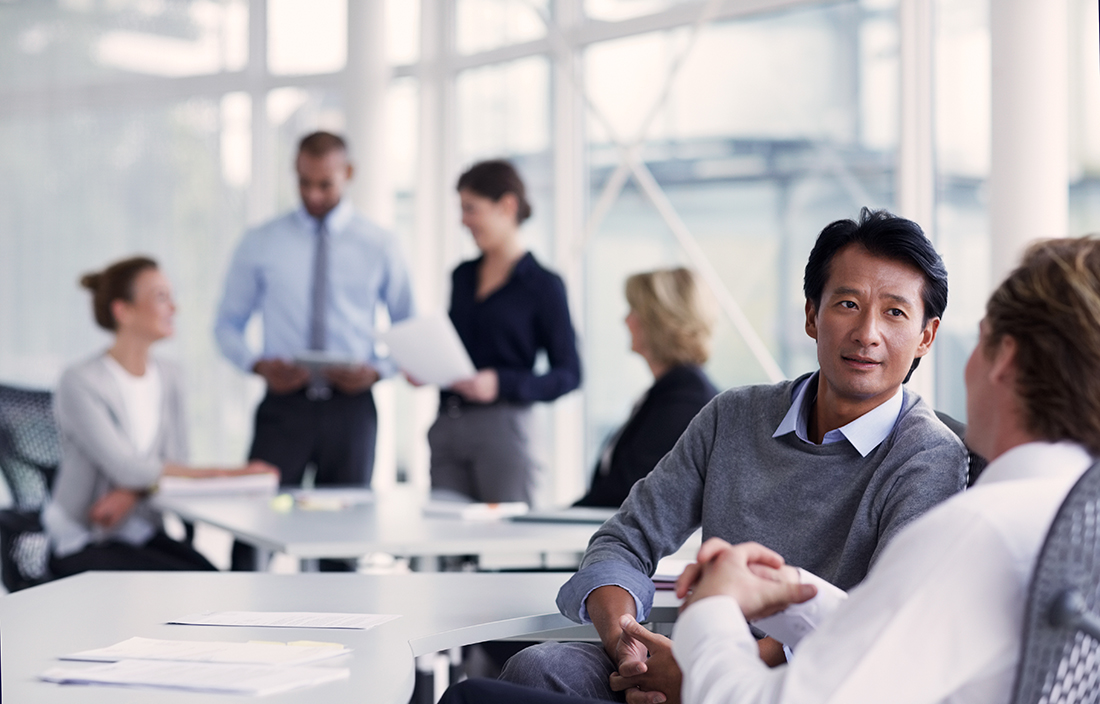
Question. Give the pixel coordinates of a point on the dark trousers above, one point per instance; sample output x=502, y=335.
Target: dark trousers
x=160, y=553
x=336, y=435
x=481, y=691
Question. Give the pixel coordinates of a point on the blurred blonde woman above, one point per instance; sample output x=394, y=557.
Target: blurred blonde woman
x=671, y=322
x=121, y=418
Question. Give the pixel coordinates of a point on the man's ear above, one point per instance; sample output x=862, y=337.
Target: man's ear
x=811, y=319
x=1003, y=370
x=928, y=336
x=350, y=172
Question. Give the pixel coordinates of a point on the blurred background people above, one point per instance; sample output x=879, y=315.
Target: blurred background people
x=506, y=308
x=121, y=419
x=671, y=321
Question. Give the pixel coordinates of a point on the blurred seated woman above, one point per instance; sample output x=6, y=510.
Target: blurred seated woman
x=122, y=424
x=671, y=323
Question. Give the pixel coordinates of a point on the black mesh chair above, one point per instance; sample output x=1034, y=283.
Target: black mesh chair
x=29, y=454
x=975, y=462
x=1060, y=661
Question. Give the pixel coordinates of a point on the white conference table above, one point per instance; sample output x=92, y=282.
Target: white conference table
x=438, y=611
x=393, y=523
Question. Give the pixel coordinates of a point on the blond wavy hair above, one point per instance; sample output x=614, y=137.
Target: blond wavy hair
x=1050, y=307
x=676, y=313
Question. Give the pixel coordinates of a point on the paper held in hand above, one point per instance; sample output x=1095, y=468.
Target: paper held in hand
x=429, y=350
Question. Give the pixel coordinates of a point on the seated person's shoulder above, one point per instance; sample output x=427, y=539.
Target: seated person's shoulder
x=920, y=428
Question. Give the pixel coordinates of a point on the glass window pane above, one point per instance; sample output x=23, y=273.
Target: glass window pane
x=768, y=133
x=306, y=36
x=613, y=10
x=504, y=111
x=487, y=24
x=84, y=188
x=69, y=42
x=402, y=31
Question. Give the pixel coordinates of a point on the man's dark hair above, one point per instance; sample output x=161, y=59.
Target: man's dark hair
x=886, y=235
x=319, y=144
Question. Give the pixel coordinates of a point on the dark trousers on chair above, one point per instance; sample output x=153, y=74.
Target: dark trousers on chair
x=335, y=434
x=482, y=691
x=159, y=553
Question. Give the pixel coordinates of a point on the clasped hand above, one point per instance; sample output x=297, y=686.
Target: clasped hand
x=753, y=575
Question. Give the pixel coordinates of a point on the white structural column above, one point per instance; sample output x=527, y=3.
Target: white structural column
x=570, y=185
x=1028, y=187
x=916, y=176
x=261, y=191
x=367, y=79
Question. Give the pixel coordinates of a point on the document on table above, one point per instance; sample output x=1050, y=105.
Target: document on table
x=429, y=350
x=474, y=511
x=212, y=678
x=250, y=653
x=264, y=484
x=285, y=619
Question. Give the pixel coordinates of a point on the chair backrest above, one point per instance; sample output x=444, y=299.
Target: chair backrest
x=29, y=446
x=24, y=550
x=975, y=462
x=1060, y=660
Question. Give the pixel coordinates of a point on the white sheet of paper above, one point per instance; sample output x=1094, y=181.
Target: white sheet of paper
x=251, y=653
x=798, y=620
x=267, y=484
x=429, y=350
x=285, y=619
x=213, y=678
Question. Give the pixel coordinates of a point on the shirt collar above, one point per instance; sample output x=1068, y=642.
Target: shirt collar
x=336, y=219
x=864, y=433
x=1037, y=460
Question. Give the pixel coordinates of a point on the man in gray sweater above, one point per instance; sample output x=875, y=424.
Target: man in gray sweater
x=825, y=469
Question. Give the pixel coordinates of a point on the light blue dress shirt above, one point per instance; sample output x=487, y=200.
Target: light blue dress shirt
x=865, y=433
x=271, y=273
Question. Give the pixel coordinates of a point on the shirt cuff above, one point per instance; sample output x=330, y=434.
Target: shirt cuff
x=716, y=617
x=574, y=593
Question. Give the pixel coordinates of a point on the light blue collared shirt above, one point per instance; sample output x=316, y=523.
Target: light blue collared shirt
x=271, y=272
x=865, y=433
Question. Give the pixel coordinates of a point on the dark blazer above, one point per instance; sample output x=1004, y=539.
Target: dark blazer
x=669, y=406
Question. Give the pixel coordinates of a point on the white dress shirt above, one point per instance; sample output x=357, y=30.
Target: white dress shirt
x=938, y=618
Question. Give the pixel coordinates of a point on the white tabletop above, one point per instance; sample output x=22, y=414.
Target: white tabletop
x=96, y=609
x=393, y=524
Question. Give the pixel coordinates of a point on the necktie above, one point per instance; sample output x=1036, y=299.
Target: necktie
x=319, y=290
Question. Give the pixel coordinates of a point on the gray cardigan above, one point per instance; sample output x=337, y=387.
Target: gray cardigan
x=97, y=454
x=823, y=507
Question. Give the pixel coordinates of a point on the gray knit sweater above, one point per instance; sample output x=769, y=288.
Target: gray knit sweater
x=823, y=507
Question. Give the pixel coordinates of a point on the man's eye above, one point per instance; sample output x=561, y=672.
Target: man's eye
x=896, y=312
x=848, y=304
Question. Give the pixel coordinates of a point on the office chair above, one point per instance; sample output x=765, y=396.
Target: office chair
x=29, y=454
x=975, y=462
x=1060, y=661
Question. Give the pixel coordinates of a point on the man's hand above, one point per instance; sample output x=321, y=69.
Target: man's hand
x=483, y=387
x=113, y=506
x=649, y=680
x=352, y=380
x=281, y=377
x=750, y=573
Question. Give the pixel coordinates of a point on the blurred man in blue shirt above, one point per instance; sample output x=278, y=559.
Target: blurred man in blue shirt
x=316, y=277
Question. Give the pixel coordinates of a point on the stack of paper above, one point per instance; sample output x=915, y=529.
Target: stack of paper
x=285, y=619
x=474, y=511
x=264, y=484
x=251, y=653
x=213, y=678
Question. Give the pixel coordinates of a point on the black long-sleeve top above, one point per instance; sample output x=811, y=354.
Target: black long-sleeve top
x=506, y=331
x=669, y=406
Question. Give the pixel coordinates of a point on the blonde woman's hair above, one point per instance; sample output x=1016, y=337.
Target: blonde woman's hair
x=1050, y=307
x=676, y=312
